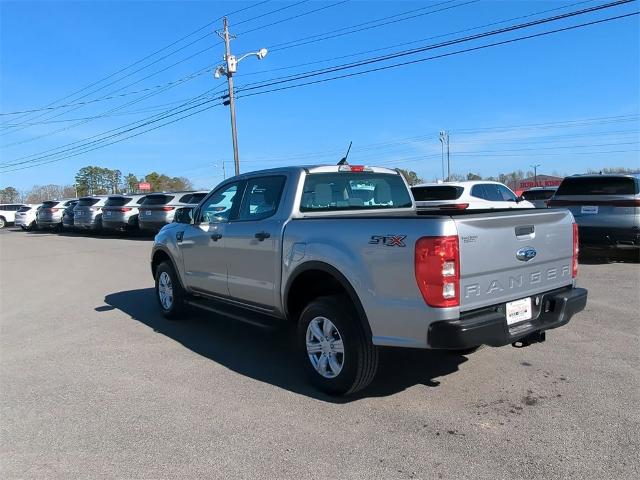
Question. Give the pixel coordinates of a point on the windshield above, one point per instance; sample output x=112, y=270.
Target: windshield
x=326, y=192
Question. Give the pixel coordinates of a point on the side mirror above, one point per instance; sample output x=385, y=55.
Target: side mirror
x=184, y=215
x=520, y=199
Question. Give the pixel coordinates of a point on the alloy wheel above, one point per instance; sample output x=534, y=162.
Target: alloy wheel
x=165, y=291
x=325, y=347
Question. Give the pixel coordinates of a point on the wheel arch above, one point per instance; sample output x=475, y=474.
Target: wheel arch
x=316, y=279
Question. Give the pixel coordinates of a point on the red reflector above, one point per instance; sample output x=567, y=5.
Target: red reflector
x=455, y=206
x=168, y=209
x=124, y=209
x=437, y=270
x=576, y=250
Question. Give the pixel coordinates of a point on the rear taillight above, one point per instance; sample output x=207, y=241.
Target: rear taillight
x=124, y=209
x=455, y=206
x=168, y=209
x=437, y=269
x=576, y=251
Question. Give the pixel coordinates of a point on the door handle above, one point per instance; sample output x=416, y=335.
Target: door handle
x=216, y=236
x=262, y=235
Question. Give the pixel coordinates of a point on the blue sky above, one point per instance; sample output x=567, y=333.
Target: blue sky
x=568, y=101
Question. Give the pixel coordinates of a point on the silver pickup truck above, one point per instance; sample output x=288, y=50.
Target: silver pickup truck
x=341, y=252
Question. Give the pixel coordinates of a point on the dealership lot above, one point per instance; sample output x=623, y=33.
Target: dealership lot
x=95, y=382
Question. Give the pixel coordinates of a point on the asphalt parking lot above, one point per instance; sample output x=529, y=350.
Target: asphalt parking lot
x=95, y=383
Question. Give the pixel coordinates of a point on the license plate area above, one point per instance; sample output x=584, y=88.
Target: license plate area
x=518, y=311
x=589, y=210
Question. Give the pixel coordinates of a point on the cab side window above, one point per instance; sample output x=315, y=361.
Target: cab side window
x=219, y=206
x=262, y=197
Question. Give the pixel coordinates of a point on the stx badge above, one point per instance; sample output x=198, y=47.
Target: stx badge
x=388, y=240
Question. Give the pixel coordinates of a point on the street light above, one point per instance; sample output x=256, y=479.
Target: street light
x=228, y=69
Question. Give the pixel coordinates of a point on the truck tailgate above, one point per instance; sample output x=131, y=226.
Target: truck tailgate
x=506, y=256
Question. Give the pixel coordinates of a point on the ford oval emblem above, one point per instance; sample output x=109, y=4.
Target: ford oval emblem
x=525, y=254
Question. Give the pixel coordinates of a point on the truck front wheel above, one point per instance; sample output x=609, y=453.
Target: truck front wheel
x=169, y=291
x=339, y=357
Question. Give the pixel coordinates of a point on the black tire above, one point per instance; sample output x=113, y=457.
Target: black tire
x=32, y=226
x=3, y=222
x=177, y=307
x=360, y=357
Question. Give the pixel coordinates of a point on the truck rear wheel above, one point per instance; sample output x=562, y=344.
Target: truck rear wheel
x=338, y=356
x=169, y=291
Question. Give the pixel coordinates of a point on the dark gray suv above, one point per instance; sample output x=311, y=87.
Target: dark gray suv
x=606, y=209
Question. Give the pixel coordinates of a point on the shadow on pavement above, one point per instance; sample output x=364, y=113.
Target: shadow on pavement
x=268, y=354
x=104, y=234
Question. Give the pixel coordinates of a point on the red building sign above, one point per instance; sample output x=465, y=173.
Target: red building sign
x=542, y=181
x=145, y=186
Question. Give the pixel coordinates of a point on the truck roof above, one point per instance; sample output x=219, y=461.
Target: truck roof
x=314, y=169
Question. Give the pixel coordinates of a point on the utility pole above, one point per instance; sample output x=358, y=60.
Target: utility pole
x=535, y=173
x=231, y=68
x=228, y=69
x=444, y=138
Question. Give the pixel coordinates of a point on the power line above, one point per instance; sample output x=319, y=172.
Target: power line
x=300, y=76
x=155, y=73
x=295, y=17
x=386, y=21
x=412, y=62
x=102, y=99
x=115, y=141
x=61, y=149
x=412, y=42
x=157, y=51
x=452, y=53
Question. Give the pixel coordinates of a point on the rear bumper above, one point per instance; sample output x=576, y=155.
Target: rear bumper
x=119, y=224
x=609, y=238
x=490, y=327
x=94, y=224
x=48, y=223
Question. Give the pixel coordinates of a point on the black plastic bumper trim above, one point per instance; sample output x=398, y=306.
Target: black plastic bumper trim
x=490, y=327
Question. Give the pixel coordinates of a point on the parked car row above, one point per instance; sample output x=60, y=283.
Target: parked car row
x=605, y=207
x=130, y=213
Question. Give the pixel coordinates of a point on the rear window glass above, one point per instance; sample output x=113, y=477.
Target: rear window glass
x=117, y=201
x=49, y=204
x=326, y=192
x=186, y=198
x=24, y=209
x=538, y=194
x=196, y=197
x=598, y=186
x=436, y=192
x=87, y=202
x=157, y=199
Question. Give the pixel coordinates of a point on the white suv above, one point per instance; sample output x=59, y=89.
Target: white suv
x=8, y=213
x=473, y=195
